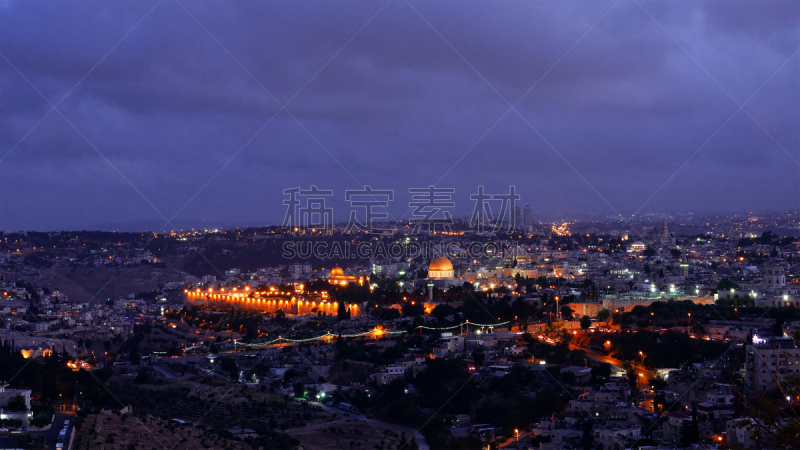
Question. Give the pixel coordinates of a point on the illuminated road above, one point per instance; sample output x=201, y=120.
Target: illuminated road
x=643, y=373
x=523, y=437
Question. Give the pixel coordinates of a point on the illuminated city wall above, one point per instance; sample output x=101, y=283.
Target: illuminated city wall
x=266, y=303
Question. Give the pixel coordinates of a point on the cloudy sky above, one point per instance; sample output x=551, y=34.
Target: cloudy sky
x=143, y=111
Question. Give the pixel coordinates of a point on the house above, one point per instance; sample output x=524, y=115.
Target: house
x=390, y=373
x=412, y=364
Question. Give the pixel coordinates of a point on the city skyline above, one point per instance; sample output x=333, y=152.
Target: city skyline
x=400, y=224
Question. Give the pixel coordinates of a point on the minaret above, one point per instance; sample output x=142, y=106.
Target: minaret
x=664, y=230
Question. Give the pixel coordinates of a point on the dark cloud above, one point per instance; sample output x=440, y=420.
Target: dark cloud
x=395, y=108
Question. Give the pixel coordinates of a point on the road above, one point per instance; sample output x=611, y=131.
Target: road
x=52, y=434
x=641, y=372
x=523, y=437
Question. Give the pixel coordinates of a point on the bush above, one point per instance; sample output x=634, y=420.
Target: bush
x=17, y=403
x=40, y=419
x=10, y=423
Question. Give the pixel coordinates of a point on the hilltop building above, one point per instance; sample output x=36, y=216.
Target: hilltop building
x=771, y=360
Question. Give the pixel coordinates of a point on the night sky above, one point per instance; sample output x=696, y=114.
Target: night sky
x=173, y=111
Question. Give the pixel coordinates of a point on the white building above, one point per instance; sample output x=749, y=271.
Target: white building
x=771, y=360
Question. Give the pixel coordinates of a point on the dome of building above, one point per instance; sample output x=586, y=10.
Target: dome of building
x=638, y=246
x=440, y=268
x=337, y=272
x=441, y=264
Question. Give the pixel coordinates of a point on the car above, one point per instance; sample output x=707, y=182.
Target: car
x=4, y=429
x=60, y=445
x=66, y=422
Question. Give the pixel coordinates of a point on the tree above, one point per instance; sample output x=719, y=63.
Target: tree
x=289, y=375
x=774, y=422
x=586, y=322
x=601, y=373
x=229, y=365
x=17, y=403
x=143, y=377
x=586, y=437
x=478, y=357
x=134, y=355
x=777, y=328
x=442, y=311
x=299, y=390
x=603, y=315
x=724, y=285
x=416, y=309
x=658, y=382
x=568, y=378
x=632, y=378
x=690, y=431
x=577, y=357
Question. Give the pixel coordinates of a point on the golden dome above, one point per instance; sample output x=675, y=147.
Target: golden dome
x=441, y=264
x=337, y=272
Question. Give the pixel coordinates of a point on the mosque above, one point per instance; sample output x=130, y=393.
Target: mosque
x=338, y=277
x=440, y=275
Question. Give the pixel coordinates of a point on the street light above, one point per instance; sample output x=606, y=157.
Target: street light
x=641, y=355
x=516, y=431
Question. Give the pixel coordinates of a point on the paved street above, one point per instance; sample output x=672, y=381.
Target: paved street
x=641, y=372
